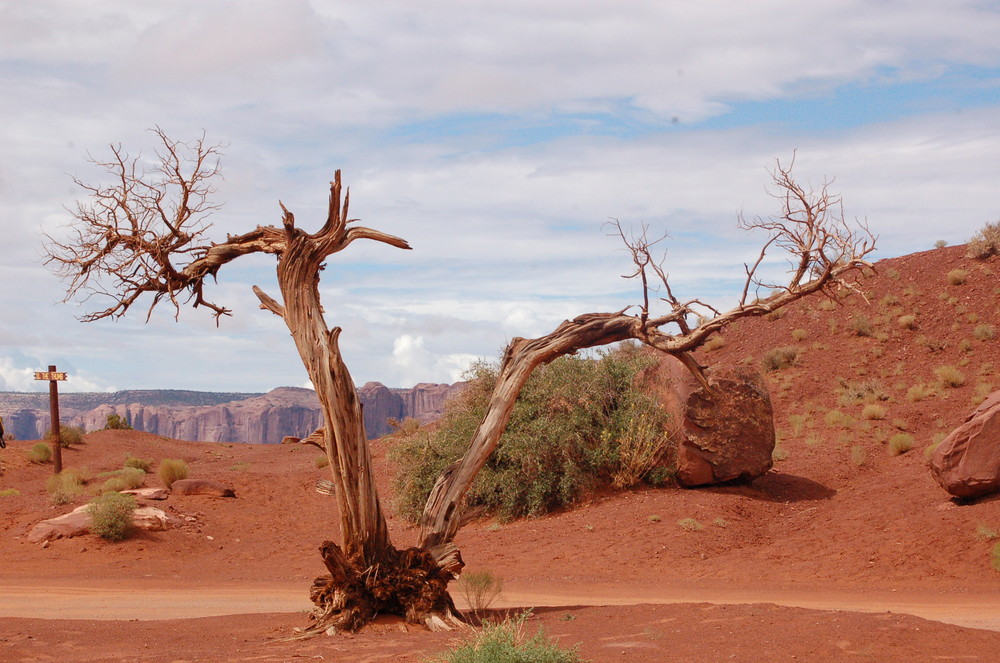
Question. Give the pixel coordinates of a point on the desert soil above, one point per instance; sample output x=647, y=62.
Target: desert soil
x=842, y=552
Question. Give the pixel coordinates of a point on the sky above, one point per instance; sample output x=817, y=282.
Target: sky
x=498, y=138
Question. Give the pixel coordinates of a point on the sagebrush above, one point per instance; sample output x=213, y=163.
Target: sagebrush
x=111, y=516
x=579, y=423
x=171, y=470
x=506, y=642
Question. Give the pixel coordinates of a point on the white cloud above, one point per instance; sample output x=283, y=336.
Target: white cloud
x=497, y=137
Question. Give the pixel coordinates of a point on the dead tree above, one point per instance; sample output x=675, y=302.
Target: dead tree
x=143, y=236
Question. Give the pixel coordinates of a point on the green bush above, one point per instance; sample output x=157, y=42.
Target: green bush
x=172, y=469
x=139, y=463
x=67, y=485
x=67, y=435
x=480, y=589
x=505, y=642
x=111, y=516
x=117, y=422
x=124, y=479
x=39, y=453
x=578, y=424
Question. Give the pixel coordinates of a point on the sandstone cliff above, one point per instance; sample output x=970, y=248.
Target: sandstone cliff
x=204, y=416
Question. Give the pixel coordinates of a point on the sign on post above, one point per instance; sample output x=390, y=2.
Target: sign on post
x=53, y=376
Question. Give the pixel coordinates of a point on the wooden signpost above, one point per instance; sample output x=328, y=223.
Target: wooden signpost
x=54, y=377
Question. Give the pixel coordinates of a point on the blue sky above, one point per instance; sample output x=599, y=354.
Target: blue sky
x=497, y=137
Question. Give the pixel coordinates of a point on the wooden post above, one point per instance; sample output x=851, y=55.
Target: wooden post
x=53, y=377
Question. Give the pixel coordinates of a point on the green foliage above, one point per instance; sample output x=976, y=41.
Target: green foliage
x=111, y=516
x=995, y=557
x=9, y=492
x=67, y=435
x=578, y=423
x=139, y=463
x=124, y=479
x=67, y=485
x=779, y=358
x=985, y=243
x=690, y=524
x=505, y=642
x=39, y=453
x=480, y=589
x=117, y=422
x=171, y=470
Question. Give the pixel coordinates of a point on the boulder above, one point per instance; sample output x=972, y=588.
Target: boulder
x=151, y=519
x=74, y=523
x=722, y=436
x=148, y=493
x=201, y=487
x=967, y=462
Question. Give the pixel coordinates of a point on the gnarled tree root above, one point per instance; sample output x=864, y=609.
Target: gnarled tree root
x=411, y=583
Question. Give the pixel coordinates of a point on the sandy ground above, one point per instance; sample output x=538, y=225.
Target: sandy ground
x=841, y=553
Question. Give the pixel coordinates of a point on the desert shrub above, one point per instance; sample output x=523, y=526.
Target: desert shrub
x=321, y=461
x=936, y=441
x=480, y=589
x=578, y=423
x=9, y=492
x=837, y=419
x=862, y=390
x=950, y=376
x=408, y=426
x=66, y=486
x=779, y=358
x=827, y=305
x=957, y=276
x=139, y=463
x=798, y=422
x=172, y=469
x=641, y=428
x=985, y=532
x=907, y=321
x=124, y=479
x=900, y=443
x=995, y=557
x=873, y=411
x=690, y=525
x=111, y=516
x=984, y=332
x=858, y=455
x=918, y=392
x=799, y=334
x=862, y=326
x=892, y=273
x=714, y=342
x=506, y=642
x=67, y=435
x=117, y=422
x=985, y=243
x=39, y=453
x=940, y=244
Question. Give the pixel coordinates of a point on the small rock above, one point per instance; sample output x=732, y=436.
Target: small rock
x=45, y=543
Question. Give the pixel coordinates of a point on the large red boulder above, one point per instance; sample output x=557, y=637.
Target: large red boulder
x=967, y=462
x=725, y=433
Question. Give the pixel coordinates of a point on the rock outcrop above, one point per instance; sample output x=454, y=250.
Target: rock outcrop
x=204, y=416
x=967, y=462
x=726, y=435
